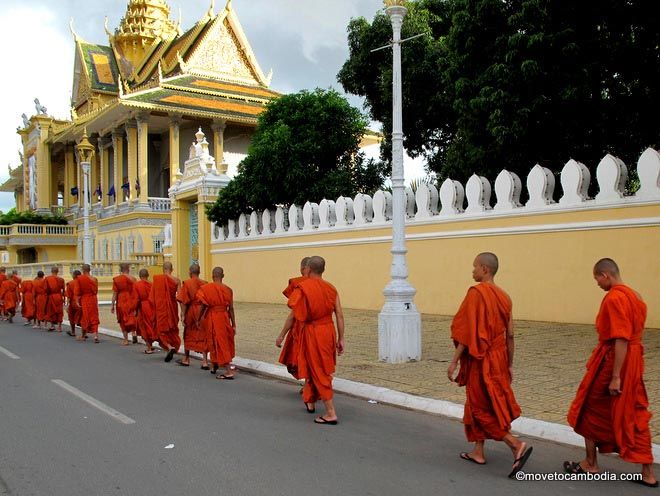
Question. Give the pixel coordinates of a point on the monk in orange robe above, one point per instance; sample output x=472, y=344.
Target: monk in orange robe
x=312, y=303
x=611, y=406
x=482, y=331
x=216, y=317
x=123, y=302
x=194, y=337
x=40, y=299
x=3, y=278
x=55, y=289
x=292, y=328
x=163, y=299
x=73, y=310
x=10, y=295
x=28, y=308
x=145, y=315
x=85, y=294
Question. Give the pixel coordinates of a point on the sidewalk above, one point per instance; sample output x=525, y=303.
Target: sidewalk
x=549, y=363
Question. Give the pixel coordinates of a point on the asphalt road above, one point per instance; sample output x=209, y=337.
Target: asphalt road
x=250, y=436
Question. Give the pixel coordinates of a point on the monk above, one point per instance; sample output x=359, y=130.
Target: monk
x=216, y=317
x=55, y=289
x=194, y=337
x=3, y=278
x=482, y=331
x=74, y=311
x=163, y=299
x=85, y=294
x=610, y=409
x=123, y=302
x=291, y=329
x=144, y=311
x=28, y=308
x=10, y=295
x=40, y=299
x=312, y=303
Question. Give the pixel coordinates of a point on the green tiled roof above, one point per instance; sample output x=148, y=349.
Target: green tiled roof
x=101, y=67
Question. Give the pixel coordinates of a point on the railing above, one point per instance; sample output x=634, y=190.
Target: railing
x=428, y=204
x=41, y=230
x=99, y=268
x=149, y=259
x=160, y=204
x=5, y=230
x=158, y=242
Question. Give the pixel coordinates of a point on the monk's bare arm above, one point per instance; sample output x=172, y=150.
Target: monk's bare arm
x=510, y=343
x=288, y=324
x=458, y=352
x=114, y=302
x=201, y=313
x=620, y=352
x=232, y=316
x=339, y=314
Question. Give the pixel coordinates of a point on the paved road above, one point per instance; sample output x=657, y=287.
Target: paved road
x=246, y=437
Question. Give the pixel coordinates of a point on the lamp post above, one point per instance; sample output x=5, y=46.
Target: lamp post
x=399, y=322
x=85, y=152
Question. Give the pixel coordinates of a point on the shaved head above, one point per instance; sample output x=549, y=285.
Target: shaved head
x=144, y=274
x=124, y=267
x=606, y=266
x=167, y=267
x=194, y=269
x=316, y=265
x=14, y=272
x=3, y=270
x=489, y=260
x=304, y=262
x=40, y=273
x=54, y=270
x=86, y=268
x=75, y=273
x=218, y=273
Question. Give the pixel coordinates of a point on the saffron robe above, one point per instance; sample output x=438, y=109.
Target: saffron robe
x=123, y=286
x=86, y=291
x=616, y=423
x=74, y=311
x=292, y=347
x=194, y=338
x=28, y=308
x=480, y=325
x=3, y=278
x=163, y=299
x=146, y=317
x=9, y=294
x=313, y=303
x=55, y=303
x=218, y=297
x=40, y=298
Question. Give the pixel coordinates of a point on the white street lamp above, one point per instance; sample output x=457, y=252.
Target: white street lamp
x=85, y=152
x=399, y=322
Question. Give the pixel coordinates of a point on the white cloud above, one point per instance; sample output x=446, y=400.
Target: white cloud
x=39, y=59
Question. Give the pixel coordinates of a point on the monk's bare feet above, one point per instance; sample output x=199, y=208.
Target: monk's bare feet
x=325, y=420
x=474, y=456
x=124, y=342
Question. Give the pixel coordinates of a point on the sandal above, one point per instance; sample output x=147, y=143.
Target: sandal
x=519, y=462
x=97, y=340
x=324, y=421
x=309, y=409
x=573, y=468
x=225, y=377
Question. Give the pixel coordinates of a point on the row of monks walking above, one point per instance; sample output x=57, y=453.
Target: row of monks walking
x=610, y=409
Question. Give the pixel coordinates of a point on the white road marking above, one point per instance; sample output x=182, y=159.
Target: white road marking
x=94, y=402
x=5, y=351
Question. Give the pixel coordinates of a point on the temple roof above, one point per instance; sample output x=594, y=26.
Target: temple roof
x=100, y=66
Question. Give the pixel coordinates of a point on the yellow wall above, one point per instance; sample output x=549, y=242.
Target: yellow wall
x=547, y=273
x=47, y=253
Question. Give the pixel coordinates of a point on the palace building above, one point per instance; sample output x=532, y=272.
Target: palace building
x=151, y=98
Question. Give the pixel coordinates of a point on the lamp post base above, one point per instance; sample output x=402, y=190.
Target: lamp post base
x=399, y=326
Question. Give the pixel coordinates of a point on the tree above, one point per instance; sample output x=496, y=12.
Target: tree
x=510, y=83
x=305, y=148
x=28, y=217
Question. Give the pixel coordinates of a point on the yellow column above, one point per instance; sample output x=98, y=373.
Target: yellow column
x=131, y=137
x=180, y=236
x=94, y=177
x=175, y=171
x=54, y=183
x=69, y=173
x=118, y=150
x=204, y=239
x=44, y=172
x=103, y=155
x=219, y=145
x=143, y=157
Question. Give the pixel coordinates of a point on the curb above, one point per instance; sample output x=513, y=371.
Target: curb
x=524, y=425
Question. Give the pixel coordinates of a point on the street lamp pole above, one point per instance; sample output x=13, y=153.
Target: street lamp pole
x=399, y=322
x=85, y=151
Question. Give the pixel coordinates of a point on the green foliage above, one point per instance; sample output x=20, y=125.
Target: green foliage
x=510, y=83
x=13, y=217
x=305, y=148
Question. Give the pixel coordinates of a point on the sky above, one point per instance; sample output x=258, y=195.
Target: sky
x=303, y=41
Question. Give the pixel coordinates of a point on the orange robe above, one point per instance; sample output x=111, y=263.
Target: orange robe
x=55, y=303
x=28, y=308
x=73, y=311
x=146, y=317
x=194, y=338
x=480, y=325
x=40, y=298
x=292, y=347
x=616, y=423
x=216, y=322
x=9, y=294
x=125, y=310
x=313, y=303
x=86, y=290
x=3, y=278
x=163, y=298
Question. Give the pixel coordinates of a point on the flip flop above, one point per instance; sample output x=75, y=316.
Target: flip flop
x=70, y=333
x=519, y=462
x=646, y=484
x=97, y=340
x=147, y=352
x=574, y=468
x=324, y=421
x=205, y=367
x=224, y=377
x=134, y=339
x=182, y=363
x=170, y=355
x=466, y=456
x=310, y=410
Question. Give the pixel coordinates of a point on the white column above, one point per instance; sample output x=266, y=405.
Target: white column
x=399, y=322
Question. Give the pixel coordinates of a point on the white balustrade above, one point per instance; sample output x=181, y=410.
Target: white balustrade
x=363, y=208
x=255, y=228
x=575, y=179
x=541, y=187
x=426, y=198
x=281, y=220
x=508, y=187
x=267, y=222
x=452, y=197
x=295, y=218
x=242, y=226
x=648, y=170
x=382, y=204
x=478, y=192
x=160, y=204
x=310, y=216
x=410, y=203
x=327, y=215
x=231, y=229
x=344, y=211
x=612, y=175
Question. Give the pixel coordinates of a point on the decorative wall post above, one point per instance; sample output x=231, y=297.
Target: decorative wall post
x=85, y=153
x=399, y=322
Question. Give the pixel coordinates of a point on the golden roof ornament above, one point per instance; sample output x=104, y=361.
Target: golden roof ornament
x=395, y=3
